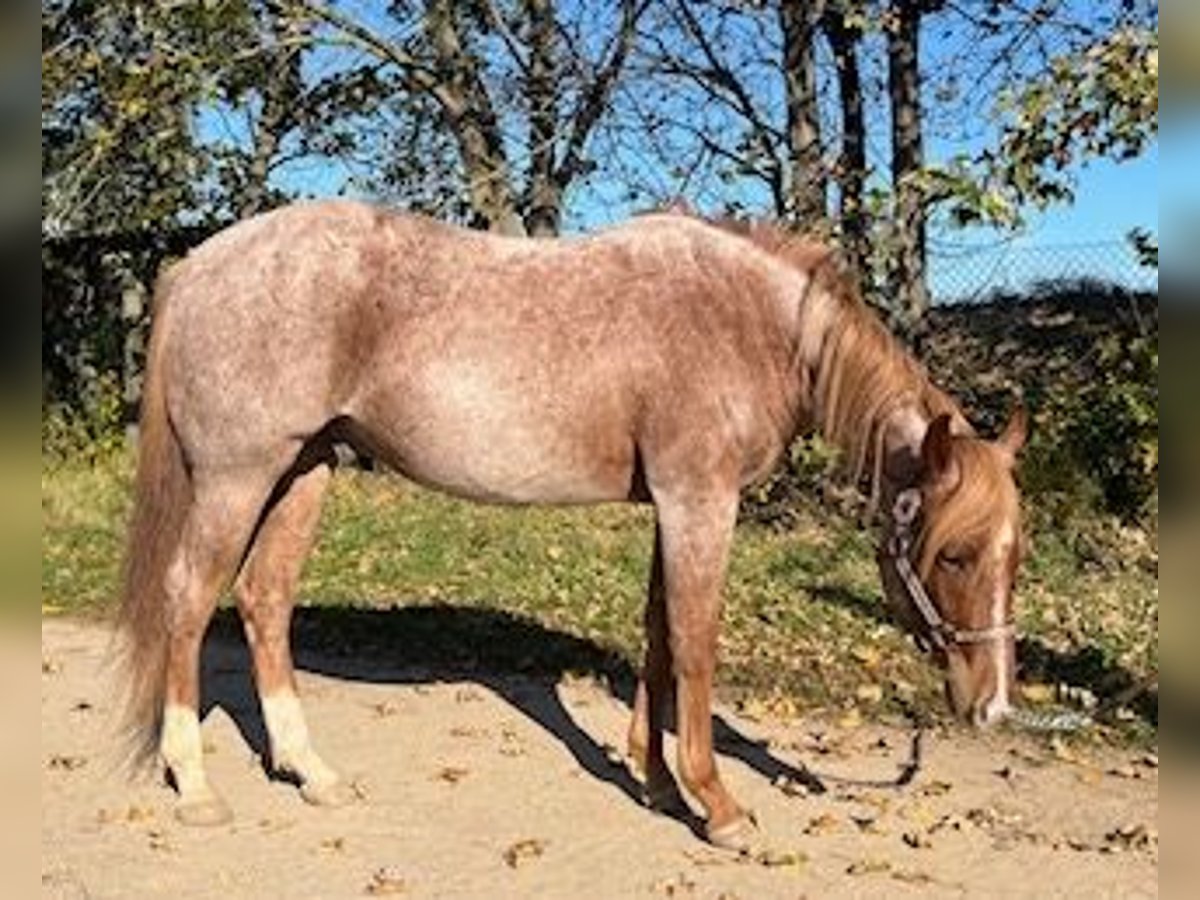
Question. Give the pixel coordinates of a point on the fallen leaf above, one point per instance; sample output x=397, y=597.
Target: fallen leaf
x=867, y=655
x=949, y=822
x=1133, y=837
x=158, y=840
x=384, y=883
x=850, y=720
x=869, y=867
x=822, y=824
x=334, y=845
x=936, y=788
x=791, y=787
x=1124, y=771
x=451, y=774
x=869, y=693
x=917, y=840
x=776, y=859
x=1037, y=693
x=529, y=848
x=868, y=825
x=66, y=763
x=680, y=884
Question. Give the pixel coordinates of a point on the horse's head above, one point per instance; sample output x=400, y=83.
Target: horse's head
x=949, y=563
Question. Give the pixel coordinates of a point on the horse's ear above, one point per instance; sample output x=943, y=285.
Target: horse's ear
x=1012, y=438
x=935, y=448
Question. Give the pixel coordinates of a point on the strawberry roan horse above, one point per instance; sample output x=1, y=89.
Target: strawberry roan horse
x=666, y=361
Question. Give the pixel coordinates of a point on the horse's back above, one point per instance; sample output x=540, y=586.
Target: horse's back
x=501, y=367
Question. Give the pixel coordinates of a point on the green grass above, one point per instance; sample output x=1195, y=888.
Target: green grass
x=804, y=627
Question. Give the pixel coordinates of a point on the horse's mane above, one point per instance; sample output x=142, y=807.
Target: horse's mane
x=864, y=373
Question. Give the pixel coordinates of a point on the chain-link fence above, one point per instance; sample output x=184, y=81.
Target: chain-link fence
x=970, y=274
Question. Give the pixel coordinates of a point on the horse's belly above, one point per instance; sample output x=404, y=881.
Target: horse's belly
x=484, y=437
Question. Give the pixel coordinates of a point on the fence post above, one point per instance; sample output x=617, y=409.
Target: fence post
x=133, y=321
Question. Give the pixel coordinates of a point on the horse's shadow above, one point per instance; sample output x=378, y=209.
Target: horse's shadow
x=513, y=656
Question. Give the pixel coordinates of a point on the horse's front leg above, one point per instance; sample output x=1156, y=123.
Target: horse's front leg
x=653, y=696
x=696, y=531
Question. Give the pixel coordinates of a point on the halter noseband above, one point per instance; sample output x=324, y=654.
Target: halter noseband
x=942, y=634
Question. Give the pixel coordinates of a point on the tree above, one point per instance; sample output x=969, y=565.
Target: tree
x=735, y=59
x=488, y=68
x=843, y=28
x=907, y=274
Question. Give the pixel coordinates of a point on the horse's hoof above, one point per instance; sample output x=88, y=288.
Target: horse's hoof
x=742, y=835
x=331, y=793
x=206, y=812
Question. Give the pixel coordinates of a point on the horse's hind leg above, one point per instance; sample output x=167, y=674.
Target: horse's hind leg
x=652, y=696
x=265, y=592
x=219, y=523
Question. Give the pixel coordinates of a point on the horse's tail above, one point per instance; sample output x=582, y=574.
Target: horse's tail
x=161, y=498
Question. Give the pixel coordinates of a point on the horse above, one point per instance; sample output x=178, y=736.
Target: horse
x=666, y=360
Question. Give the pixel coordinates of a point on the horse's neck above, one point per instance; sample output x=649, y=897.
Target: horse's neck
x=870, y=397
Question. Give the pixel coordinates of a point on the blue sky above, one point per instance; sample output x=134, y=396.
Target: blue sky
x=1086, y=237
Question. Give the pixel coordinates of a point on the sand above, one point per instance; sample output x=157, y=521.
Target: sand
x=513, y=787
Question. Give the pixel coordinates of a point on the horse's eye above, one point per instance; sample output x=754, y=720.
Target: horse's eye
x=954, y=560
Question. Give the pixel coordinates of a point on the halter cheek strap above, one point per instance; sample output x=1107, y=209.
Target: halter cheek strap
x=942, y=634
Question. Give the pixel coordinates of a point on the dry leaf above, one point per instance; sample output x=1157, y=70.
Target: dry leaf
x=1037, y=693
x=334, y=845
x=867, y=655
x=822, y=824
x=936, y=788
x=868, y=825
x=1124, y=771
x=913, y=877
x=778, y=859
x=850, y=720
x=869, y=693
x=158, y=840
x=869, y=867
x=451, y=774
x=384, y=883
x=529, y=848
x=917, y=840
x=1133, y=837
x=680, y=884
x=66, y=763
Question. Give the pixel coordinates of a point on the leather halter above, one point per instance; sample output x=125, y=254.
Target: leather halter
x=942, y=634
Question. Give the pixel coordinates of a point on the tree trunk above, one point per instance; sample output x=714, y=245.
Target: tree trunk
x=852, y=164
x=280, y=95
x=471, y=116
x=543, y=207
x=904, y=88
x=798, y=20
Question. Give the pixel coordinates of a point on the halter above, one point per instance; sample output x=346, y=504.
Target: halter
x=942, y=634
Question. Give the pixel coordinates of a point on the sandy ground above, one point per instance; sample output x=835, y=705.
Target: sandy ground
x=510, y=787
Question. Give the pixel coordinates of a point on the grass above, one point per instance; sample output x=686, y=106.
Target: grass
x=804, y=628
